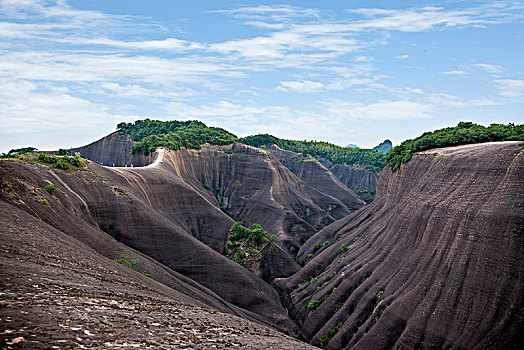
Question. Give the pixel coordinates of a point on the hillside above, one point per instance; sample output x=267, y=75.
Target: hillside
x=59, y=292
x=436, y=261
x=178, y=211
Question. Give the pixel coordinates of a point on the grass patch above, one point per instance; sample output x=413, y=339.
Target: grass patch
x=41, y=200
x=124, y=260
x=329, y=334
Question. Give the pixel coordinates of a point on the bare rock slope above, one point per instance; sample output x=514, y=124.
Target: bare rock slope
x=57, y=292
x=113, y=150
x=251, y=185
x=436, y=261
x=169, y=213
x=116, y=212
x=318, y=176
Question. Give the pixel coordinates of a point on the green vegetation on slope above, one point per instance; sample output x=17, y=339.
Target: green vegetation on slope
x=371, y=159
x=64, y=162
x=173, y=135
x=245, y=245
x=463, y=133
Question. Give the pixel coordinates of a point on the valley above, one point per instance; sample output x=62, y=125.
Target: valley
x=434, y=261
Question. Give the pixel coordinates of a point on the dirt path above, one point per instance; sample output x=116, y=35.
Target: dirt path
x=158, y=159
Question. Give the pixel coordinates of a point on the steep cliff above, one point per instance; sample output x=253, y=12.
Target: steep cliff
x=318, y=176
x=250, y=185
x=436, y=261
x=113, y=150
x=178, y=211
x=361, y=181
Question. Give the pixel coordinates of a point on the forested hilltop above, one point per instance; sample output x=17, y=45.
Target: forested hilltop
x=150, y=134
x=371, y=159
x=174, y=135
x=463, y=133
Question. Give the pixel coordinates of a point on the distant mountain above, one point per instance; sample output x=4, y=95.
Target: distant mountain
x=351, y=145
x=384, y=147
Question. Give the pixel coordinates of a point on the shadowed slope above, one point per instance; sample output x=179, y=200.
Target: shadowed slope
x=127, y=204
x=436, y=261
x=318, y=176
x=252, y=186
x=58, y=292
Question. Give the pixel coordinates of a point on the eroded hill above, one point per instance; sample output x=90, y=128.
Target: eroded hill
x=436, y=261
x=57, y=292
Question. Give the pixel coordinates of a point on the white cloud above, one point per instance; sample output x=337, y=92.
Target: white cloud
x=49, y=117
x=510, y=87
x=455, y=72
x=490, y=68
x=381, y=110
x=136, y=91
x=305, y=86
x=87, y=67
x=278, y=13
x=170, y=44
x=402, y=57
x=426, y=18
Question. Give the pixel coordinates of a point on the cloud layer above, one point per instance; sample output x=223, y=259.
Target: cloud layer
x=300, y=72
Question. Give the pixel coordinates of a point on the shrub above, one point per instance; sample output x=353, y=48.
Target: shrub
x=206, y=187
x=6, y=186
x=50, y=188
x=124, y=260
x=313, y=304
x=173, y=135
x=370, y=159
x=42, y=200
x=62, y=164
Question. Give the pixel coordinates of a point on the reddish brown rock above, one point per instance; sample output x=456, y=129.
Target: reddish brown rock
x=436, y=261
x=318, y=176
x=113, y=150
x=107, y=207
x=250, y=185
x=57, y=292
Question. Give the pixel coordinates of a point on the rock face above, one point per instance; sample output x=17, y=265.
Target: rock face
x=128, y=211
x=361, y=181
x=58, y=292
x=318, y=176
x=170, y=212
x=436, y=261
x=114, y=150
x=250, y=185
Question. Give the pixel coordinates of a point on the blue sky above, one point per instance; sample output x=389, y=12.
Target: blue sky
x=339, y=71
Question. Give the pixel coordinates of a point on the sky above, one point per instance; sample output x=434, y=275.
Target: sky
x=338, y=71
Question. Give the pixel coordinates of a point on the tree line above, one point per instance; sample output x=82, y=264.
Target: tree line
x=463, y=133
x=370, y=159
x=150, y=134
